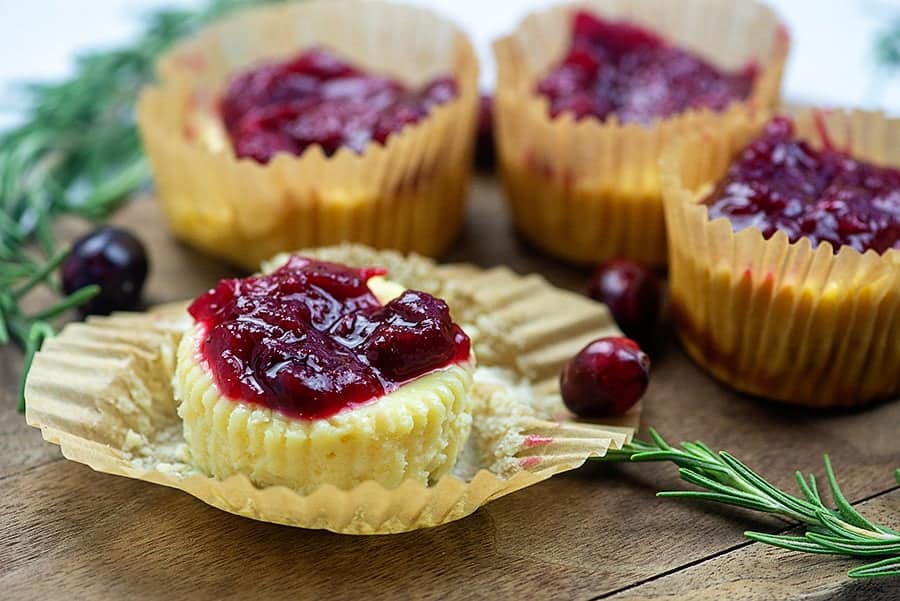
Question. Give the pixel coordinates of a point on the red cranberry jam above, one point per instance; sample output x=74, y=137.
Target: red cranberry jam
x=318, y=98
x=779, y=182
x=618, y=68
x=311, y=340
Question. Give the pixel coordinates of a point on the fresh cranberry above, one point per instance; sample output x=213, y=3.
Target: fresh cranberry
x=634, y=295
x=779, y=182
x=606, y=378
x=484, y=144
x=111, y=258
x=616, y=67
x=310, y=339
x=319, y=99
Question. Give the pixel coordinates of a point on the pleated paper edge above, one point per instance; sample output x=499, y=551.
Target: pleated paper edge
x=549, y=447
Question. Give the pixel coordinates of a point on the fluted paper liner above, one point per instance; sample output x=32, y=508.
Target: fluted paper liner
x=589, y=190
x=785, y=321
x=407, y=195
x=102, y=391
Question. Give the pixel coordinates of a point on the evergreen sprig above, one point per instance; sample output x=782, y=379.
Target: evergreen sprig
x=77, y=152
x=840, y=530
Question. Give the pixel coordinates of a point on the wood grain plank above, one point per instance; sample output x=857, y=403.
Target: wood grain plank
x=758, y=572
x=65, y=526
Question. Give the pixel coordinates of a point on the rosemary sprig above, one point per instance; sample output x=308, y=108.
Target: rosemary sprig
x=725, y=479
x=887, y=46
x=76, y=153
x=885, y=53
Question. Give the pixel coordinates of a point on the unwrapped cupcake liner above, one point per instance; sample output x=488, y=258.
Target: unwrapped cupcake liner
x=589, y=190
x=407, y=194
x=102, y=390
x=773, y=318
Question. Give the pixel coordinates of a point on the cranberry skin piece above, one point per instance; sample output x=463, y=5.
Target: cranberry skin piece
x=309, y=383
x=415, y=329
x=606, y=378
x=633, y=293
x=485, y=157
x=111, y=258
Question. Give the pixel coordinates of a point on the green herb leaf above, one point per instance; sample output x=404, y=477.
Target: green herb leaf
x=725, y=479
x=77, y=153
x=879, y=569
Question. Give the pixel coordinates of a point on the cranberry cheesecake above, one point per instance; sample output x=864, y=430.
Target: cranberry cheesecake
x=319, y=373
x=784, y=239
x=308, y=124
x=588, y=97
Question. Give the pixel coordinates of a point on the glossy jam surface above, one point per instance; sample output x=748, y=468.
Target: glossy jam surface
x=779, y=182
x=310, y=339
x=318, y=98
x=619, y=68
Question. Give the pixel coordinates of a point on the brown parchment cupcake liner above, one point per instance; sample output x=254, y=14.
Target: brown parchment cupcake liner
x=589, y=190
x=102, y=390
x=408, y=194
x=773, y=318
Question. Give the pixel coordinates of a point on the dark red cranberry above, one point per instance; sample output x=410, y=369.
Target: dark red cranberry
x=111, y=258
x=781, y=183
x=606, y=378
x=297, y=368
x=484, y=144
x=415, y=331
x=634, y=295
x=616, y=67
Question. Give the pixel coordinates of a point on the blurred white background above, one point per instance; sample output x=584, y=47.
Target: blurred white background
x=831, y=62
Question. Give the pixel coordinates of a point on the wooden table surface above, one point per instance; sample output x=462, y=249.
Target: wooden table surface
x=67, y=532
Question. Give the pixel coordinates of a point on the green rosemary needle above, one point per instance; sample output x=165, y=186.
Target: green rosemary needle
x=76, y=153
x=725, y=479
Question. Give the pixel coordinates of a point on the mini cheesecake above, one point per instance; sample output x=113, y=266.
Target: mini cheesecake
x=299, y=125
x=784, y=241
x=588, y=96
x=319, y=373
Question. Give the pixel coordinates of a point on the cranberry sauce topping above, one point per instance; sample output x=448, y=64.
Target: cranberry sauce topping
x=318, y=98
x=781, y=183
x=310, y=339
x=619, y=68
